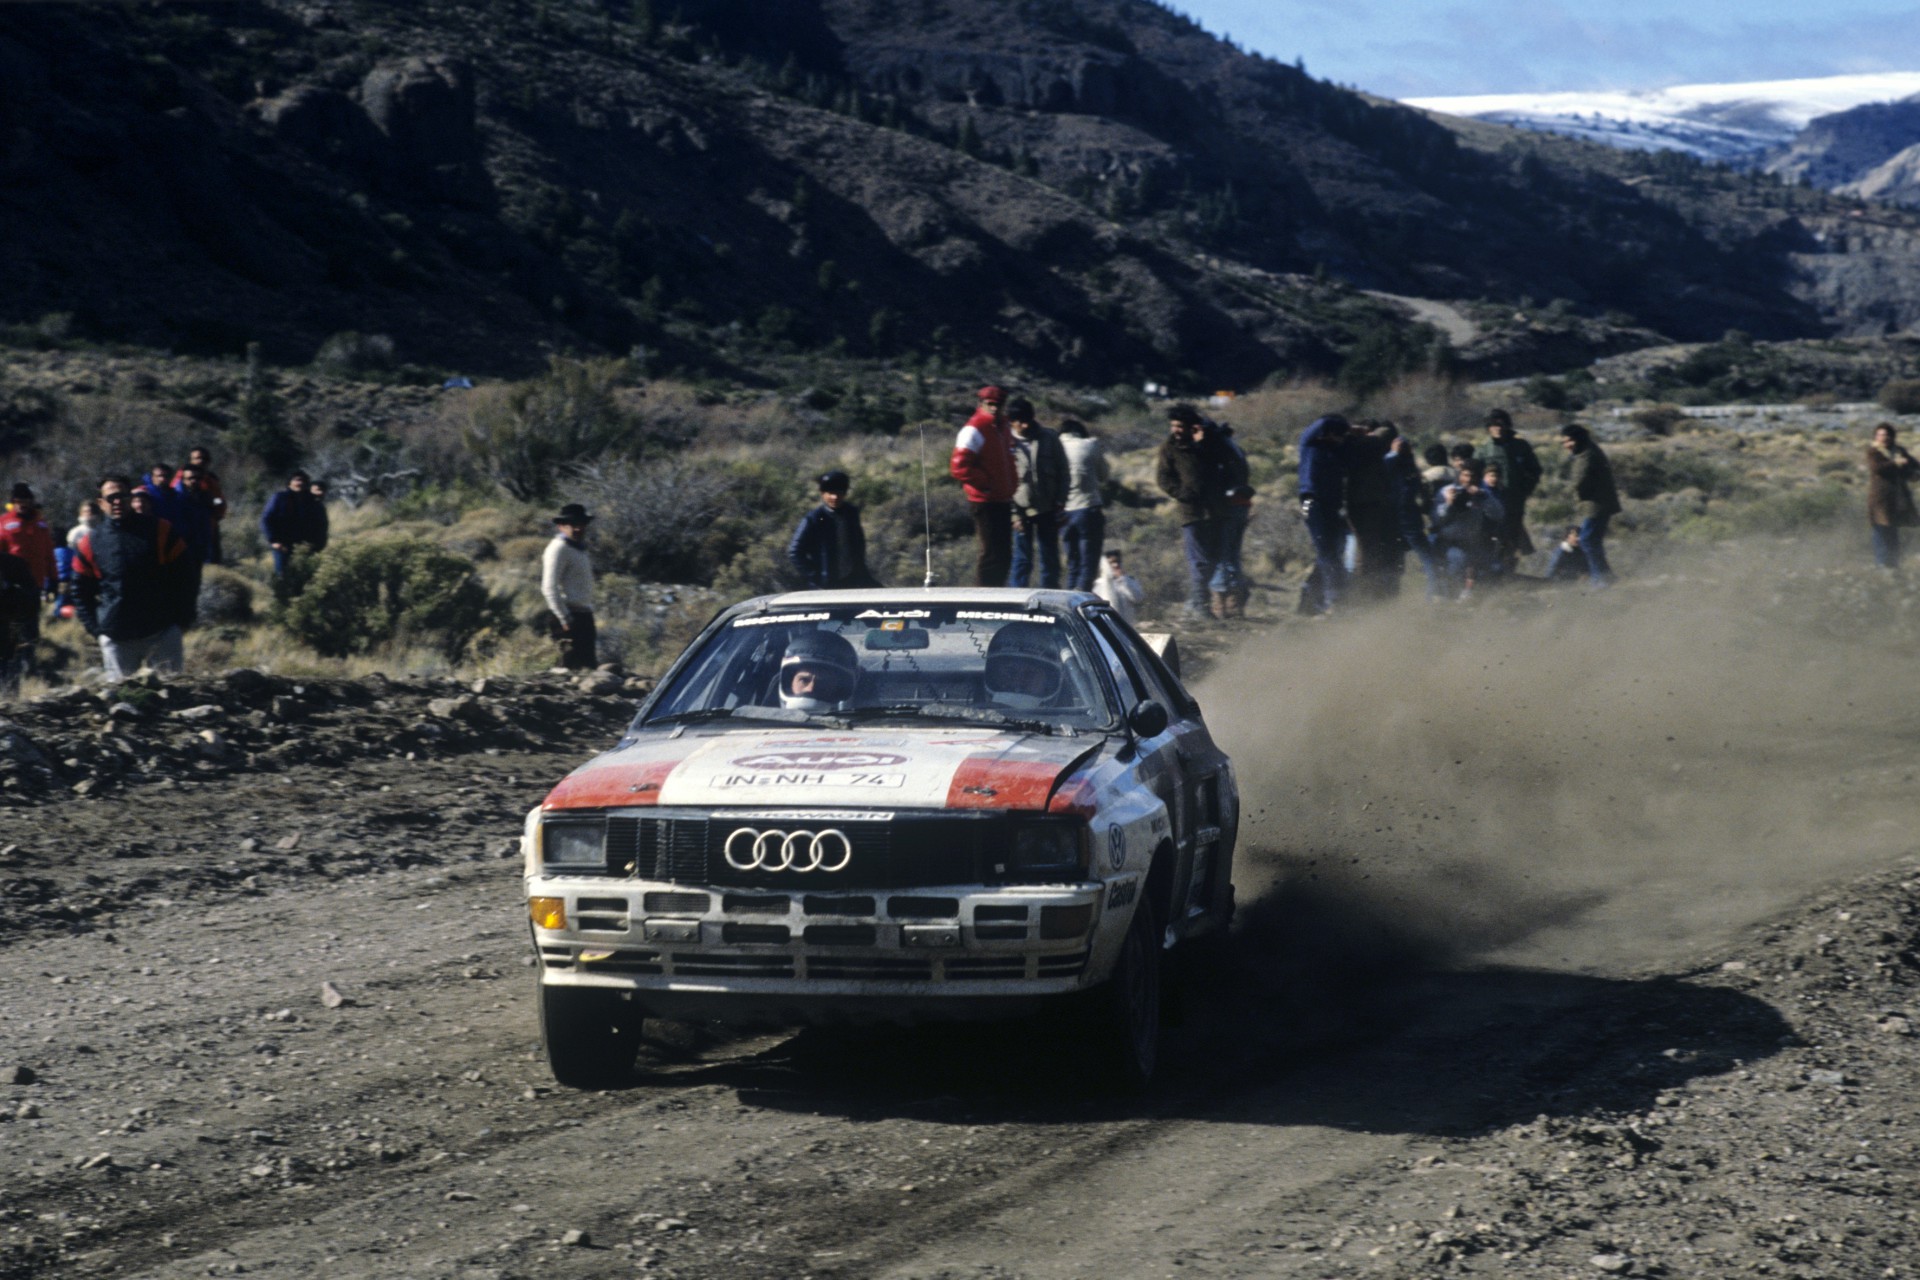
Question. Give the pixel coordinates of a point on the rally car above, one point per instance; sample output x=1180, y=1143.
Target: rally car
x=843, y=806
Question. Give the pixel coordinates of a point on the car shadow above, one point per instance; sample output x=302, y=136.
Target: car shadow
x=1329, y=1007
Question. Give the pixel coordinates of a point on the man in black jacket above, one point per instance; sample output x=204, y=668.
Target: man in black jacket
x=829, y=549
x=131, y=584
x=1188, y=473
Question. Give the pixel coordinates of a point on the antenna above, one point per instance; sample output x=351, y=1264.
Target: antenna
x=926, y=506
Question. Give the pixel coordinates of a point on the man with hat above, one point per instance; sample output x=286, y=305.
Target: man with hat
x=829, y=549
x=566, y=580
x=983, y=464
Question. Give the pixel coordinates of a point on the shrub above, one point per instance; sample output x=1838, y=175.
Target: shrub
x=654, y=520
x=1658, y=419
x=1901, y=395
x=367, y=595
x=350, y=354
x=225, y=596
x=521, y=435
x=1649, y=474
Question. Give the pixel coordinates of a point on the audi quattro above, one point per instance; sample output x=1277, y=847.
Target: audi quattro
x=885, y=806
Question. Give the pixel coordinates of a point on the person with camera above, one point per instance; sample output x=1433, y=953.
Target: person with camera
x=1467, y=517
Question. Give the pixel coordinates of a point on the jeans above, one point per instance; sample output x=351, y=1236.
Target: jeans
x=1593, y=539
x=993, y=531
x=1226, y=566
x=1201, y=539
x=1328, y=529
x=161, y=651
x=1085, y=533
x=280, y=561
x=1036, y=534
x=1413, y=532
x=1886, y=545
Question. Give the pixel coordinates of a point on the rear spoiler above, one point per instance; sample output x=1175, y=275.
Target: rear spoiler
x=1163, y=644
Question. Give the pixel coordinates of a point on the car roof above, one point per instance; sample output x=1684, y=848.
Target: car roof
x=1003, y=597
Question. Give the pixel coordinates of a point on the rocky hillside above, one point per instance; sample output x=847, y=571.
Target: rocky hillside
x=1850, y=151
x=1093, y=189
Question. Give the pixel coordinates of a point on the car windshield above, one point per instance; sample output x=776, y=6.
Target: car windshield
x=965, y=663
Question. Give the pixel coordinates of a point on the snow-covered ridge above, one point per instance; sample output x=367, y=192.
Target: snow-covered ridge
x=1713, y=121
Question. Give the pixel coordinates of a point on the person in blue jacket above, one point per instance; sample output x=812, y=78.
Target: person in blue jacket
x=829, y=549
x=1323, y=497
x=294, y=518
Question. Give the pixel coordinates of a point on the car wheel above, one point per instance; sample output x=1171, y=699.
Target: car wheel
x=591, y=1037
x=1129, y=1013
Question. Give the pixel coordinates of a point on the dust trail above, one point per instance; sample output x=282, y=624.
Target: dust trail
x=1602, y=781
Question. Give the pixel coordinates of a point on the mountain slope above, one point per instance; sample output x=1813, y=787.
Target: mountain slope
x=1092, y=189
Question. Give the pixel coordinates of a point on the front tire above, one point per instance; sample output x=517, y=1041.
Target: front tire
x=592, y=1037
x=1128, y=1012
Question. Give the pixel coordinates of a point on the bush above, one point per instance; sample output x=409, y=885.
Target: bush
x=1901, y=395
x=350, y=354
x=521, y=435
x=1658, y=419
x=225, y=596
x=655, y=520
x=1649, y=474
x=367, y=595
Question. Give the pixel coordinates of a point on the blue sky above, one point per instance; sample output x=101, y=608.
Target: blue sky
x=1404, y=48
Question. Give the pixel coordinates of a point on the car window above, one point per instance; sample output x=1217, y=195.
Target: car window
x=1125, y=682
x=869, y=661
x=1144, y=681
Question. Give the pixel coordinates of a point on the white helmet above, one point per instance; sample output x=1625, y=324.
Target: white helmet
x=1024, y=670
x=824, y=666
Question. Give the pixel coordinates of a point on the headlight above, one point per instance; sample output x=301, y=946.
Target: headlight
x=1052, y=849
x=573, y=844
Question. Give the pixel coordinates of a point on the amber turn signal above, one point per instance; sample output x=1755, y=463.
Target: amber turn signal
x=548, y=913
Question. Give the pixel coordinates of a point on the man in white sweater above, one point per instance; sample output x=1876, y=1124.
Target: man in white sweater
x=566, y=580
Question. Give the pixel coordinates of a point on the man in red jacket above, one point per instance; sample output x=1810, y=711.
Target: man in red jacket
x=983, y=464
x=24, y=532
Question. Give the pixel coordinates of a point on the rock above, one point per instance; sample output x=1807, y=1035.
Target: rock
x=1734, y=966
x=287, y=843
x=671, y=1224
x=27, y=1111
x=461, y=1195
x=279, y=1015
x=102, y=1161
x=23, y=1074
x=449, y=708
x=1894, y=1025
x=1826, y=1077
x=598, y=683
x=249, y=845
x=577, y=1239
x=85, y=787
x=123, y=711
x=211, y=745
x=207, y=712
x=1610, y=1262
x=330, y=996
x=285, y=709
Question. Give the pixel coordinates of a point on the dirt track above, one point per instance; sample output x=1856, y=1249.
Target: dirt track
x=1348, y=1096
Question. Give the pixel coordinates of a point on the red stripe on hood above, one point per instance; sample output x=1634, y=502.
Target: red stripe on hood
x=993, y=782
x=611, y=786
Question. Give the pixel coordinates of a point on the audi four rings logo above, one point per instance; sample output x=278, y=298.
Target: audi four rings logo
x=748, y=849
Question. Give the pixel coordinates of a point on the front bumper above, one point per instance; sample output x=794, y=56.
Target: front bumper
x=736, y=955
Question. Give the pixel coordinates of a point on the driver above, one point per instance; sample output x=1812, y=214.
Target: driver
x=818, y=673
x=1024, y=670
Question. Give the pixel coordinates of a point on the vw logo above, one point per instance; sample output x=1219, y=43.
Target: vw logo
x=748, y=849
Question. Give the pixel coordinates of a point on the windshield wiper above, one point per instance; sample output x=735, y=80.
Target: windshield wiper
x=777, y=715
x=990, y=716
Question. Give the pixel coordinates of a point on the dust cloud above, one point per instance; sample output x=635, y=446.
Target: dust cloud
x=1608, y=783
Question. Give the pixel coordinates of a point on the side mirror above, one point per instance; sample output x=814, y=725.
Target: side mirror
x=1147, y=719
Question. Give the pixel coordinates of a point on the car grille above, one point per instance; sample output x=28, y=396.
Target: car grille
x=902, y=852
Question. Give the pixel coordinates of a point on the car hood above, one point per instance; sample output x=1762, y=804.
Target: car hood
x=883, y=769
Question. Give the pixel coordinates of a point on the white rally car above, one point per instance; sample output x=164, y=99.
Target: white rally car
x=885, y=806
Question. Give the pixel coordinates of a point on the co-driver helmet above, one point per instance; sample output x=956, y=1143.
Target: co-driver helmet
x=1023, y=665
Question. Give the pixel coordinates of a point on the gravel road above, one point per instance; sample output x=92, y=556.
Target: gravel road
x=277, y=1019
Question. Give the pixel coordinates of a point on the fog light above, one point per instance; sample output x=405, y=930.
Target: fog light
x=548, y=913
x=1065, y=922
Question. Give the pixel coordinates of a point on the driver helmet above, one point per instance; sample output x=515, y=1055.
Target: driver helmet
x=1023, y=665
x=818, y=672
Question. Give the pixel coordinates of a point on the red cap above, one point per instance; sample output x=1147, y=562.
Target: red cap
x=992, y=393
